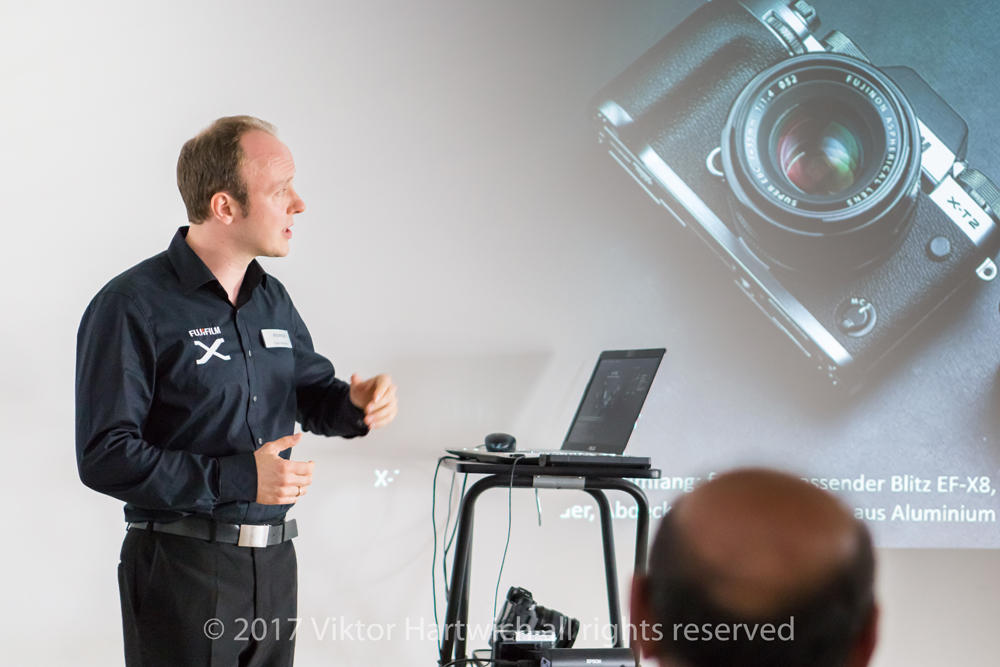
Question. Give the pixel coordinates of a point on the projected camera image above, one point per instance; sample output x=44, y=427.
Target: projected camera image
x=835, y=191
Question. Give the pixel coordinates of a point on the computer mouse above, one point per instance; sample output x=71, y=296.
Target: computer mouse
x=500, y=442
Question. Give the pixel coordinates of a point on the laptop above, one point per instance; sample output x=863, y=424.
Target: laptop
x=604, y=420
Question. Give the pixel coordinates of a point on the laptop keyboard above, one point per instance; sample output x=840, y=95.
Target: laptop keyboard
x=560, y=452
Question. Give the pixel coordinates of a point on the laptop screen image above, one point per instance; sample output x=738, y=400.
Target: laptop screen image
x=611, y=404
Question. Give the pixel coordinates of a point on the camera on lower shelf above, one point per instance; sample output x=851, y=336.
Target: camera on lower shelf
x=529, y=634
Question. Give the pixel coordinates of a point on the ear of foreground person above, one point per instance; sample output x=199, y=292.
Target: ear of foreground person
x=757, y=568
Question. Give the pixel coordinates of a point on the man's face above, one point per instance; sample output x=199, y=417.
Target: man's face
x=268, y=172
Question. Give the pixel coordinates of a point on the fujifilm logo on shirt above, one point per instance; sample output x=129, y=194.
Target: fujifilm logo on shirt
x=210, y=331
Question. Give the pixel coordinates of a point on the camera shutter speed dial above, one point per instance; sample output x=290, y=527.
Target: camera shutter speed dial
x=856, y=316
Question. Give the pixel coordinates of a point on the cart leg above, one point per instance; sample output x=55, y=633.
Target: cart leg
x=641, y=525
x=456, y=619
x=610, y=565
x=462, y=630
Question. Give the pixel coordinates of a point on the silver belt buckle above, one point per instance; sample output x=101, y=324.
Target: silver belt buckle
x=253, y=536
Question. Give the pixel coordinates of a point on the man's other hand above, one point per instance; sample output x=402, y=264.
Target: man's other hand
x=377, y=397
x=279, y=481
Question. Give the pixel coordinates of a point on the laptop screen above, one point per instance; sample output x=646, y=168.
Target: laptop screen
x=611, y=405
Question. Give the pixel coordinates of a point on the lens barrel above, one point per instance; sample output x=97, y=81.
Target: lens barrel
x=822, y=154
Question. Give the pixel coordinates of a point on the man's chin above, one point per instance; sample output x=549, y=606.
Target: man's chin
x=277, y=251
x=271, y=254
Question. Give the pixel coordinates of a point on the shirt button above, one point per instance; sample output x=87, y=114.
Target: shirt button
x=260, y=441
x=254, y=399
x=249, y=354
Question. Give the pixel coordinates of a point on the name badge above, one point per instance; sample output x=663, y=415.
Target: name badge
x=275, y=338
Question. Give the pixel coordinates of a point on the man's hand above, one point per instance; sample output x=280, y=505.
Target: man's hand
x=281, y=482
x=377, y=397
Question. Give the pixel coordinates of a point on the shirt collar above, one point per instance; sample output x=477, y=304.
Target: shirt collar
x=193, y=273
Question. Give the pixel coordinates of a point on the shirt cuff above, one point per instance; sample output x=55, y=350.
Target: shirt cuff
x=356, y=419
x=237, y=478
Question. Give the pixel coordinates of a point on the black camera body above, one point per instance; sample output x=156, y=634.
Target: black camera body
x=522, y=617
x=528, y=633
x=834, y=191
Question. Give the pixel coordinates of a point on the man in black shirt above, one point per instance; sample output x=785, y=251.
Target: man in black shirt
x=192, y=369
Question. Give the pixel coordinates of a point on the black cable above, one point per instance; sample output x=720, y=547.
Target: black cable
x=481, y=661
x=451, y=493
x=513, y=663
x=451, y=539
x=444, y=557
x=461, y=497
x=437, y=624
x=510, y=519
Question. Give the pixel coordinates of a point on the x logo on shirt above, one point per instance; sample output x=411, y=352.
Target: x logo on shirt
x=211, y=351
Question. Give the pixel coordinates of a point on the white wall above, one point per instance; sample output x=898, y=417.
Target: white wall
x=453, y=238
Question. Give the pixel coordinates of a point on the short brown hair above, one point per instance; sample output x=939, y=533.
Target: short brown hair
x=212, y=162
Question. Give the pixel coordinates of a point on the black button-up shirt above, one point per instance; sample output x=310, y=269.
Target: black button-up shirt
x=176, y=388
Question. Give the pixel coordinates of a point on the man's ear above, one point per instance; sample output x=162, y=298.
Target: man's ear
x=864, y=647
x=224, y=207
x=645, y=633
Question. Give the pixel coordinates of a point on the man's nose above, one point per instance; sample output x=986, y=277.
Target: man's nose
x=297, y=205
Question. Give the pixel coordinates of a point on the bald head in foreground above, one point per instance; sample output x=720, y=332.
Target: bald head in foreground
x=757, y=568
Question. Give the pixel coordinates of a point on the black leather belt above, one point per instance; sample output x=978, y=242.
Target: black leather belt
x=245, y=535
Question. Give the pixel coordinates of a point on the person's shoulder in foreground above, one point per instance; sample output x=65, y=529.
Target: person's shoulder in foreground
x=758, y=568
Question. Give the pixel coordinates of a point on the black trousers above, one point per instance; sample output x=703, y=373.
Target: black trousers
x=191, y=603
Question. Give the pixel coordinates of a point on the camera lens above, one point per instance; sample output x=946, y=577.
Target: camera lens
x=819, y=152
x=822, y=155
x=820, y=148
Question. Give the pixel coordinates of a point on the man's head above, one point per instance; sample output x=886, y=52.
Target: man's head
x=758, y=549
x=237, y=173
